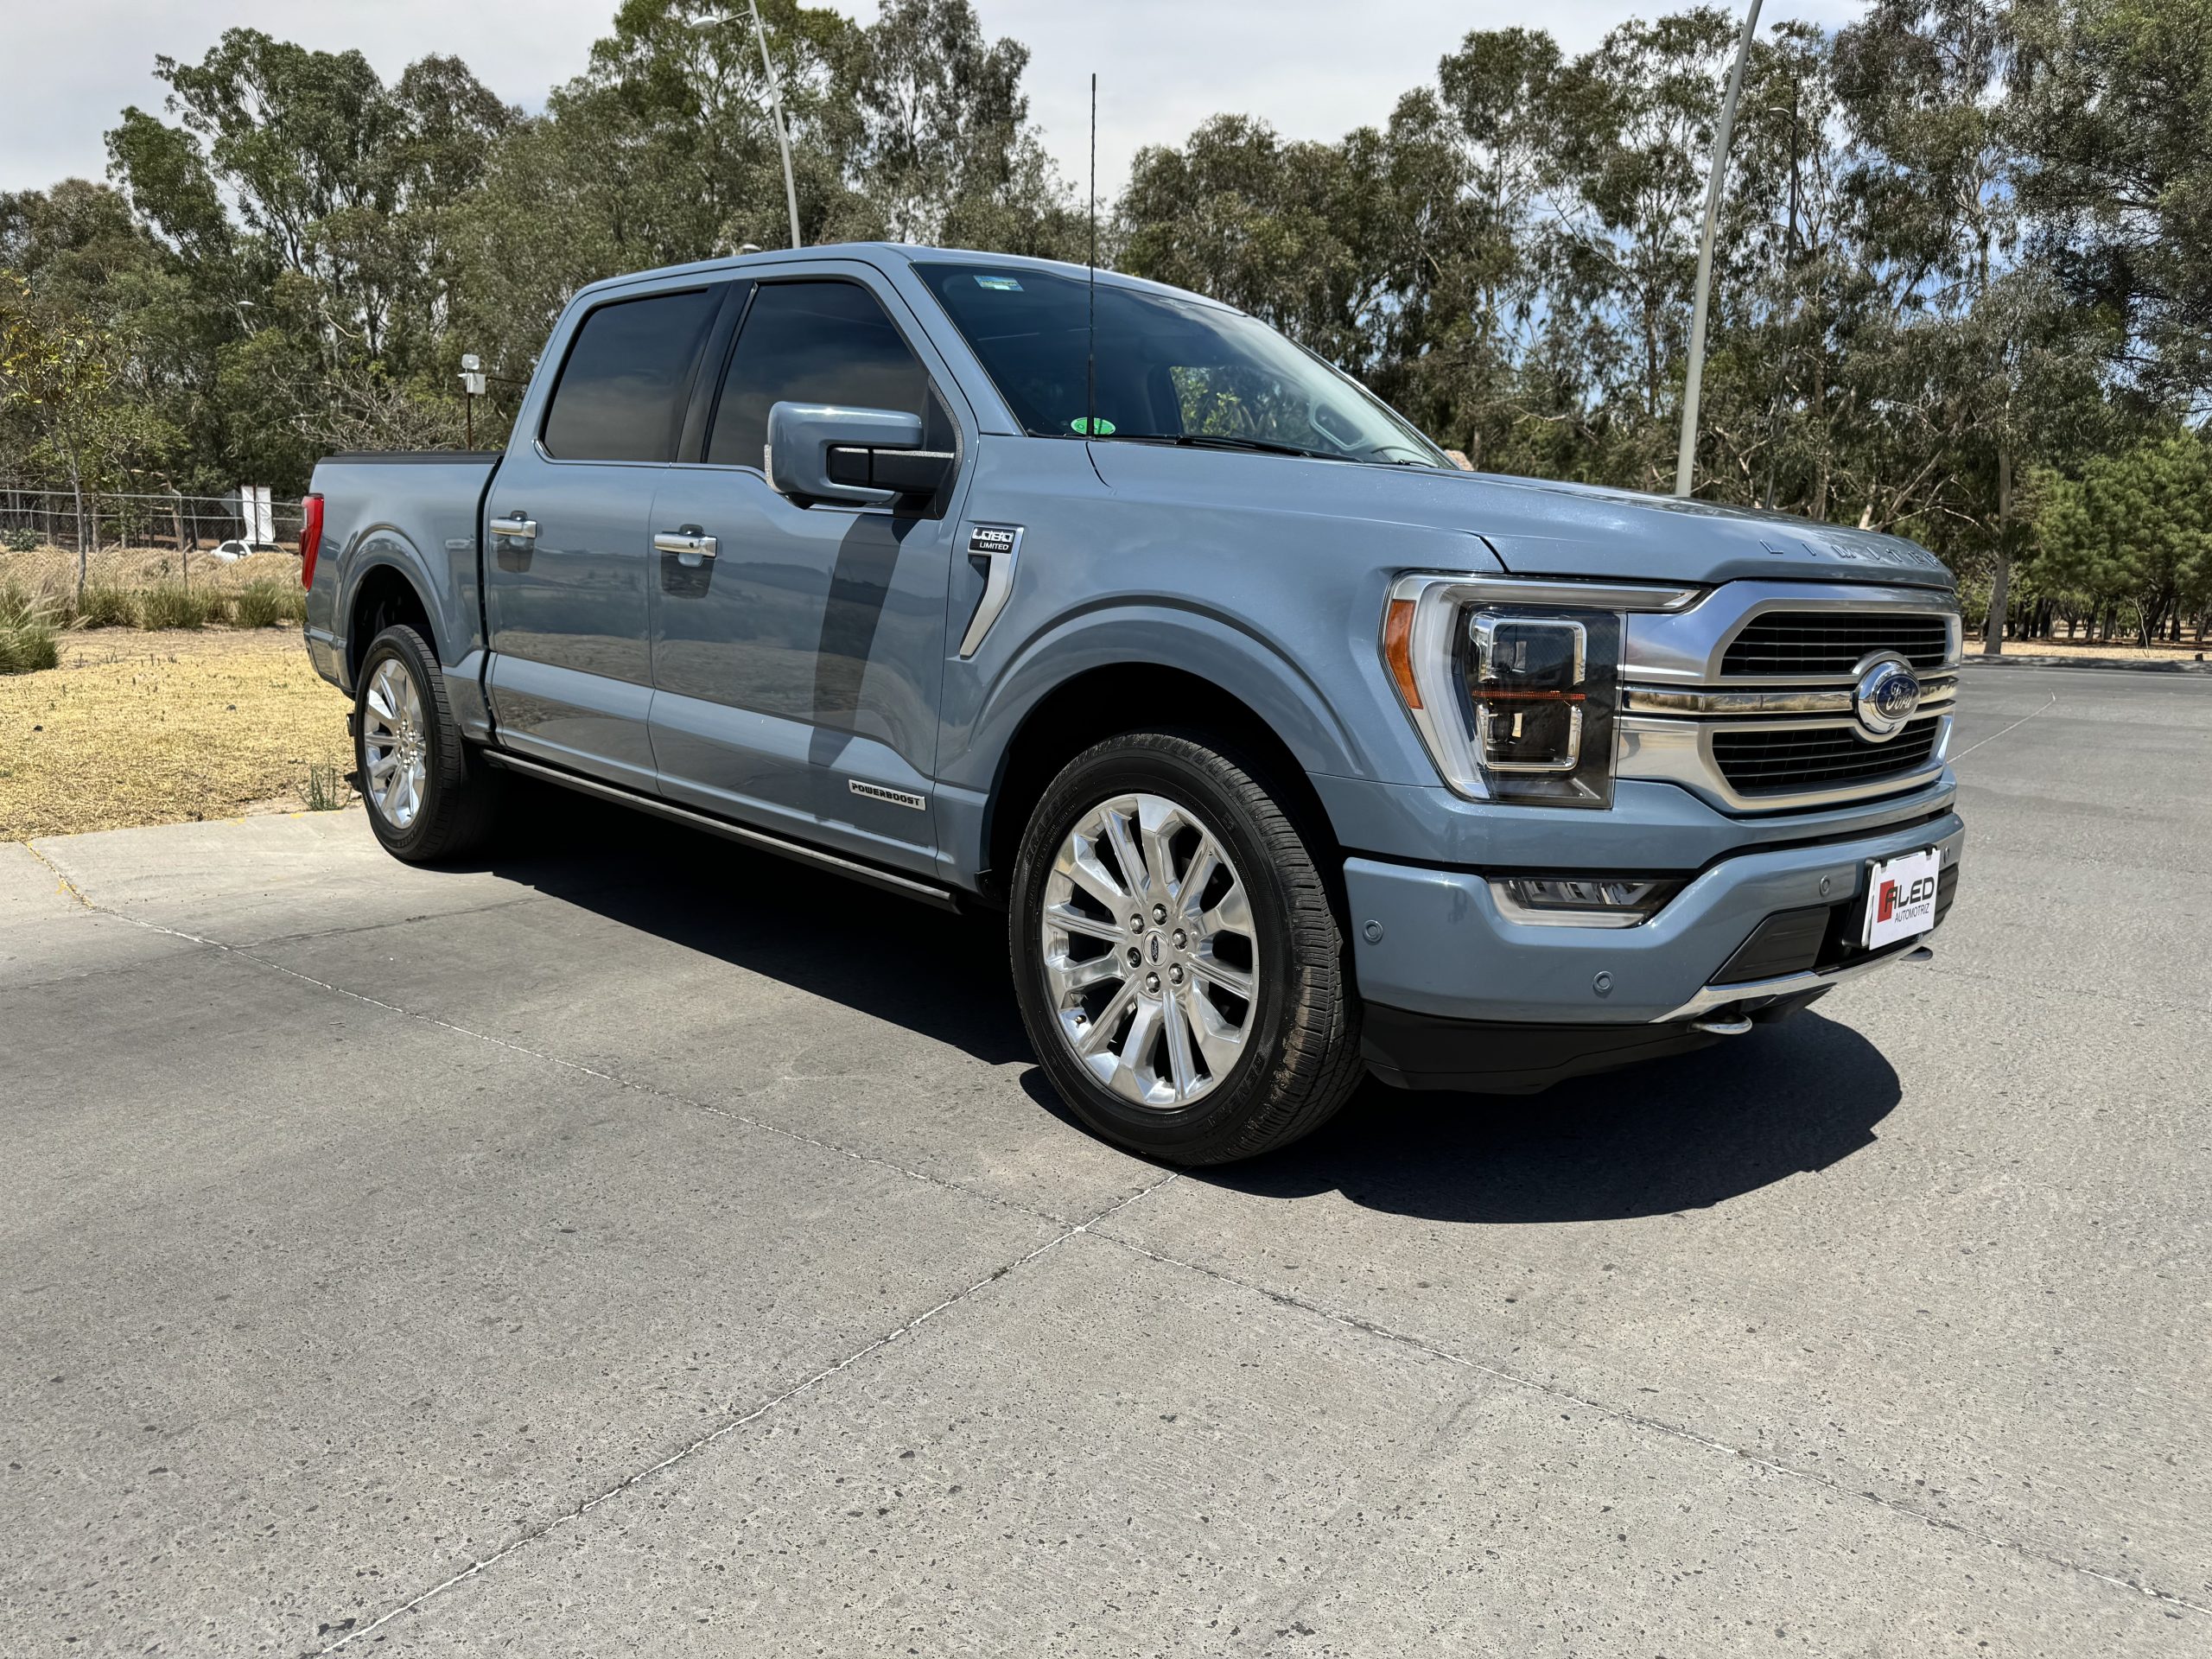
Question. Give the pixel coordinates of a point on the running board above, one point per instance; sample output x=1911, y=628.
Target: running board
x=927, y=893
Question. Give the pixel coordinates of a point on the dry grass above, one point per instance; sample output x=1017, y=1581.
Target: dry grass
x=2118, y=650
x=52, y=570
x=138, y=727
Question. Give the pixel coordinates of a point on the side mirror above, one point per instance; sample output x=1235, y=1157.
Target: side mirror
x=820, y=451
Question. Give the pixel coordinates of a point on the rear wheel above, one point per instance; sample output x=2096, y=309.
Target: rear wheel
x=1177, y=959
x=428, y=797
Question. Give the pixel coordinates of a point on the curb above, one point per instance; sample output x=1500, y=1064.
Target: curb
x=2127, y=665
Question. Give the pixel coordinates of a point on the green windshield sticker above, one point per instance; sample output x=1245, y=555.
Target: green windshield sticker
x=1002, y=284
x=1098, y=428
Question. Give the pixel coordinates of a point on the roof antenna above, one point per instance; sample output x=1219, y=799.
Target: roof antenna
x=1090, y=340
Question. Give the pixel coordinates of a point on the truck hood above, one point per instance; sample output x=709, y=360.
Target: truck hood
x=1585, y=530
x=1535, y=527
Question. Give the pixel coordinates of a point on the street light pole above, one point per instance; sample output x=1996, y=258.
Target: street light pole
x=776, y=111
x=1686, y=457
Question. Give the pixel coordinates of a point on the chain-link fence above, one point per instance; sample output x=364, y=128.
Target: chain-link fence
x=100, y=521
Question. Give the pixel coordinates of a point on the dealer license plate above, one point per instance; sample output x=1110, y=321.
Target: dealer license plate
x=1901, y=898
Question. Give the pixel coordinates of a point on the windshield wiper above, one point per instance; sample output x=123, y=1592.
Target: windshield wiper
x=1216, y=441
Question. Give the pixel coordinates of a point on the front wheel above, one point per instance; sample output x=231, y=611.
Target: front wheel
x=428, y=797
x=1177, y=958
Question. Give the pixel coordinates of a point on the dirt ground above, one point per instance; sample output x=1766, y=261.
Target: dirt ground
x=137, y=729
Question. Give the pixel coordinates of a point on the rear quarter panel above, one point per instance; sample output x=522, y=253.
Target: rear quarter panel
x=418, y=516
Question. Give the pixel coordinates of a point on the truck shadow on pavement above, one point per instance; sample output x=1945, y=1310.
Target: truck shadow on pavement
x=1673, y=1135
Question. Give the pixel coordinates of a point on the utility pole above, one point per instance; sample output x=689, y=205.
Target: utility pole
x=776, y=111
x=775, y=104
x=1686, y=457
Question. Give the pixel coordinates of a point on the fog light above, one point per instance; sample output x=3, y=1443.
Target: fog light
x=1582, y=900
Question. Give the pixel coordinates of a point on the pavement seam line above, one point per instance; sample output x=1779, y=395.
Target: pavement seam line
x=68, y=886
x=531, y=1535
x=632, y=1085
x=2014, y=727
x=1659, y=1425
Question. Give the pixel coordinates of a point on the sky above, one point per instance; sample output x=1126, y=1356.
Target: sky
x=1311, y=68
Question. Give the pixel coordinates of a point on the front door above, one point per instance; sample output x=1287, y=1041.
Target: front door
x=796, y=670
x=569, y=561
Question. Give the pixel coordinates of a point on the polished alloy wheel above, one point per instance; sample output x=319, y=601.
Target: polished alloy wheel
x=1151, y=958
x=393, y=743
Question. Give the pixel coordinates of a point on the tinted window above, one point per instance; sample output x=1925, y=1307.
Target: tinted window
x=816, y=343
x=1167, y=369
x=621, y=391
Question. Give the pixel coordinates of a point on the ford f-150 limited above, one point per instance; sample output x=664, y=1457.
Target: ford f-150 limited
x=1293, y=750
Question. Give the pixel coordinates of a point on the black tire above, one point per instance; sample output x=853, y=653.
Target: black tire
x=1301, y=1055
x=461, y=793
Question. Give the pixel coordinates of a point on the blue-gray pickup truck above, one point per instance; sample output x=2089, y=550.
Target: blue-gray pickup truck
x=1292, y=750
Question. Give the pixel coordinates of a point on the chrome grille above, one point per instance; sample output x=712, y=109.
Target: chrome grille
x=1779, y=643
x=1779, y=760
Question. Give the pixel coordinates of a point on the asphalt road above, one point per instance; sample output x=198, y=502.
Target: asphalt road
x=643, y=1246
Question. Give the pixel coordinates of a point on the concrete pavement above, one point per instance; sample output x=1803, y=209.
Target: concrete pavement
x=633, y=1244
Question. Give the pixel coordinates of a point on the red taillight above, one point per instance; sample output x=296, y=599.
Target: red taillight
x=310, y=536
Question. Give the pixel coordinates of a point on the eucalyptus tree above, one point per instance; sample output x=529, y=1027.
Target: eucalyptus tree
x=941, y=146
x=2113, y=107
x=1635, y=120
x=1469, y=159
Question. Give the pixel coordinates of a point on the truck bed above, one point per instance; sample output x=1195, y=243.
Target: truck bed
x=418, y=511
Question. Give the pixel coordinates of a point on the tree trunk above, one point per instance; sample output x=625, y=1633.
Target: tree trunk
x=1819, y=504
x=77, y=495
x=2000, y=578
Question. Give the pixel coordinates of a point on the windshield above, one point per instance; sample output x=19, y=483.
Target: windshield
x=1170, y=370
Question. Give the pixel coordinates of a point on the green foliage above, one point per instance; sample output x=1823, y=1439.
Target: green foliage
x=172, y=605
x=2134, y=528
x=20, y=540
x=326, y=789
x=1964, y=246
x=105, y=606
x=27, y=626
x=2113, y=113
x=267, y=603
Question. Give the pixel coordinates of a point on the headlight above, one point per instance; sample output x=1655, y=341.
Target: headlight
x=1512, y=684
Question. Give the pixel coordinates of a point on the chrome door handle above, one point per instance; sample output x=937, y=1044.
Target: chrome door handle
x=515, y=527
x=684, y=541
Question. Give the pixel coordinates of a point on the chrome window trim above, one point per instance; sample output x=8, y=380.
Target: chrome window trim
x=1680, y=752
x=1686, y=648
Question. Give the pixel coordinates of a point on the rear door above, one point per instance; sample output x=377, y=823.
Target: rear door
x=797, y=670
x=569, y=557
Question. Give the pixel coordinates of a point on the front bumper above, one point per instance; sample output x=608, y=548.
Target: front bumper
x=1762, y=930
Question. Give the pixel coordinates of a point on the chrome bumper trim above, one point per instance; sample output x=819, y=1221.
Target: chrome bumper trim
x=1761, y=990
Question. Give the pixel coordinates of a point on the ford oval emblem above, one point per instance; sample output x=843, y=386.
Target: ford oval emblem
x=1888, y=696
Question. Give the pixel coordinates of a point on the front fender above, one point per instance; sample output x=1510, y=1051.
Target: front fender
x=1165, y=634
